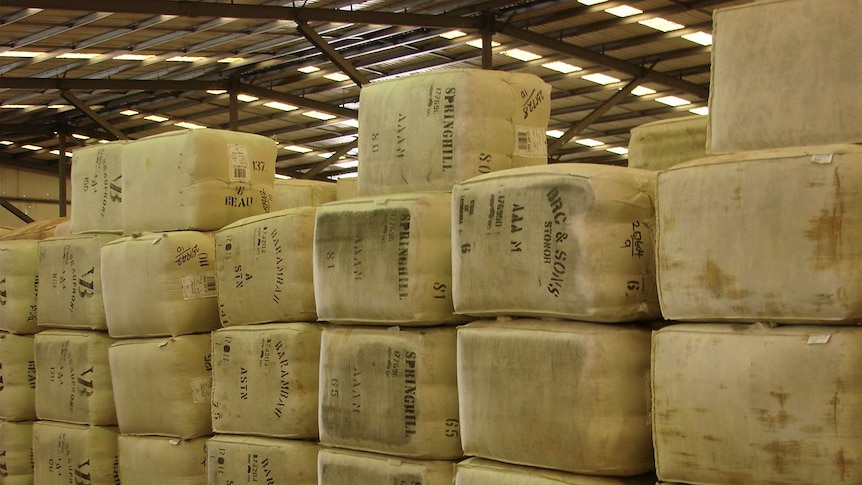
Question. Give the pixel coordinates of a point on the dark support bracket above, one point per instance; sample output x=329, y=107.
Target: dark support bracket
x=99, y=119
x=340, y=61
x=61, y=170
x=234, y=103
x=16, y=211
x=329, y=161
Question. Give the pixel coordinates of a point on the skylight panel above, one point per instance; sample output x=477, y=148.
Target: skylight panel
x=16, y=106
x=156, y=118
x=600, y=78
x=128, y=112
x=189, y=125
x=32, y=147
x=346, y=164
x=282, y=177
x=337, y=76
x=349, y=175
x=701, y=38
x=673, y=101
x=661, y=24
x=216, y=91
x=185, y=59
x=591, y=2
x=298, y=149
x=702, y=111
x=478, y=43
x=555, y=133
x=623, y=11
x=560, y=66
x=452, y=34
x=231, y=60
x=589, y=142
x=77, y=55
x=6, y=142
x=80, y=136
x=308, y=69
x=132, y=57
x=57, y=152
x=246, y=98
x=280, y=106
x=522, y=55
x=20, y=54
x=642, y=91
x=318, y=115
x=619, y=150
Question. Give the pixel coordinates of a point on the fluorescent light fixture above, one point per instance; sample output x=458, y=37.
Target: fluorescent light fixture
x=351, y=123
x=308, y=69
x=6, y=142
x=298, y=149
x=619, y=150
x=57, y=152
x=80, y=137
x=229, y=60
x=337, y=76
x=132, y=57
x=281, y=106
x=185, y=59
x=478, y=43
x=156, y=118
x=452, y=34
x=104, y=141
x=560, y=66
x=325, y=154
x=246, y=98
x=77, y=55
x=642, y=91
x=128, y=112
x=318, y=115
x=353, y=152
x=555, y=133
x=352, y=105
x=58, y=106
x=522, y=55
x=216, y=91
x=20, y=54
x=600, y=78
x=16, y=106
x=702, y=111
x=349, y=175
x=282, y=177
x=661, y=24
x=673, y=101
x=589, y=142
x=623, y=11
x=701, y=38
x=591, y=2
x=346, y=164
x=31, y=147
x=189, y=125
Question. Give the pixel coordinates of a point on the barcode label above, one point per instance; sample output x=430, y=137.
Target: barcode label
x=818, y=339
x=202, y=389
x=531, y=141
x=201, y=285
x=239, y=162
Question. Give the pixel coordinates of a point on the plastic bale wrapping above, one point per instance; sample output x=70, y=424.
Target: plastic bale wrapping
x=564, y=395
x=662, y=144
x=346, y=467
x=163, y=386
x=294, y=193
x=757, y=405
x=476, y=471
x=265, y=380
x=65, y=453
x=16, y=450
x=385, y=260
x=70, y=282
x=568, y=241
x=762, y=236
x=264, y=267
x=246, y=459
x=159, y=284
x=147, y=460
x=196, y=180
x=430, y=131
x=18, y=377
x=97, y=188
x=19, y=271
x=390, y=390
x=74, y=377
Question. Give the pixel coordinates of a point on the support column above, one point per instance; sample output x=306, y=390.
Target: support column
x=61, y=169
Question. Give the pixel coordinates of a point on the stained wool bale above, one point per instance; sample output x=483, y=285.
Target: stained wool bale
x=97, y=188
x=577, y=240
x=70, y=281
x=18, y=377
x=74, y=377
x=477, y=471
x=196, y=179
x=16, y=452
x=264, y=268
x=593, y=421
x=763, y=236
x=19, y=271
x=145, y=460
x=430, y=131
x=663, y=144
x=65, y=453
x=159, y=284
x=246, y=459
x=265, y=380
x=762, y=97
x=163, y=386
x=390, y=390
x=344, y=467
x=346, y=188
x=385, y=260
x=757, y=405
x=292, y=193
x=36, y=230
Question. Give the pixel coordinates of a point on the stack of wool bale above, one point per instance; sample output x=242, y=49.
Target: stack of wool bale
x=388, y=408
x=758, y=254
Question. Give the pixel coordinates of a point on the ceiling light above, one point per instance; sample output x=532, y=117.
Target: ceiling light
x=623, y=11
x=189, y=125
x=104, y=141
x=452, y=34
x=156, y=118
x=619, y=150
x=246, y=98
x=308, y=69
x=591, y=2
x=701, y=38
x=589, y=142
x=478, y=43
x=282, y=177
x=351, y=123
x=31, y=147
x=642, y=91
x=560, y=66
x=672, y=101
x=58, y=106
x=353, y=152
x=661, y=24
x=318, y=115
x=229, y=60
x=57, y=152
x=522, y=55
x=77, y=55
x=216, y=91
x=128, y=112
x=702, y=111
x=16, y=106
x=281, y=106
x=346, y=164
x=555, y=133
x=351, y=105
x=297, y=148
x=132, y=57
x=599, y=78
x=6, y=142
x=348, y=175
x=326, y=154
x=20, y=54
x=185, y=59
x=337, y=76
x=80, y=137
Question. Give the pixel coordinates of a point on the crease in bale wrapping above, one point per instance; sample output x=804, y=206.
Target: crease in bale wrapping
x=294, y=193
x=478, y=471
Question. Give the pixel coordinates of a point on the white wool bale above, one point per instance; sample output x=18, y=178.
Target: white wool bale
x=762, y=97
x=147, y=460
x=264, y=268
x=573, y=241
x=196, y=179
x=65, y=453
x=476, y=471
x=19, y=271
x=163, y=386
x=159, y=284
x=430, y=131
x=762, y=236
x=345, y=467
x=663, y=144
x=246, y=459
x=17, y=377
x=385, y=260
x=346, y=188
x=594, y=420
x=97, y=188
x=265, y=380
x=70, y=281
x=74, y=377
x=390, y=390
x=292, y=193
x=16, y=452
x=757, y=405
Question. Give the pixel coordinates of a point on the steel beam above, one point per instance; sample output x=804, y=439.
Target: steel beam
x=31, y=84
x=315, y=170
x=99, y=119
x=16, y=211
x=332, y=54
x=298, y=101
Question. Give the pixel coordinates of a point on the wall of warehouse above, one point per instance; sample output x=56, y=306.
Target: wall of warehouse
x=16, y=184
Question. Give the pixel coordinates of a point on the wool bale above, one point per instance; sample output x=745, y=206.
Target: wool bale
x=16, y=452
x=346, y=467
x=65, y=453
x=663, y=144
x=247, y=459
x=19, y=281
x=147, y=460
x=18, y=377
x=293, y=193
x=476, y=471
x=97, y=188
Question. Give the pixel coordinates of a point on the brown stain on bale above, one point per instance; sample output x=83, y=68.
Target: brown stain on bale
x=825, y=230
x=783, y=454
x=719, y=283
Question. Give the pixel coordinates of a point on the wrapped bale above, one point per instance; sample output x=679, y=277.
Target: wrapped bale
x=97, y=188
x=264, y=268
x=265, y=380
x=430, y=131
x=65, y=453
x=196, y=180
x=762, y=236
x=246, y=459
x=159, y=284
x=757, y=405
x=293, y=193
x=577, y=239
x=16, y=452
x=74, y=377
x=37, y=230
x=70, y=281
x=663, y=144
x=390, y=391
x=385, y=260
x=145, y=460
x=163, y=386
x=594, y=420
x=19, y=271
x=18, y=377
x=346, y=188
x=476, y=471
x=344, y=467
x=762, y=97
